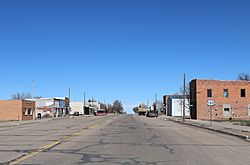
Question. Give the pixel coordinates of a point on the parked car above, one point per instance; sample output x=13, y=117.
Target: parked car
x=100, y=113
x=151, y=113
x=76, y=114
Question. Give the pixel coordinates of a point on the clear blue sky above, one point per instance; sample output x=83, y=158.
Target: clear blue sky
x=120, y=49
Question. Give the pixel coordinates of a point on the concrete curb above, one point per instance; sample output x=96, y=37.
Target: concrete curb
x=20, y=123
x=244, y=137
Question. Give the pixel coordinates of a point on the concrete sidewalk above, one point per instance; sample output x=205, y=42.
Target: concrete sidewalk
x=227, y=127
x=24, y=122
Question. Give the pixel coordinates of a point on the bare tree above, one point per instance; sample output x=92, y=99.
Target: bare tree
x=103, y=106
x=187, y=95
x=21, y=96
x=109, y=108
x=244, y=77
x=187, y=90
x=135, y=109
x=117, y=106
x=37, y=97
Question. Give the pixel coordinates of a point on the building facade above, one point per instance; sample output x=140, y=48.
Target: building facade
x=91, y=106
x=165, y=103
x=220, y=100
x=17, y=110
x=77, y=108
x=84, y=108
x=175, y=106
x=51, y=107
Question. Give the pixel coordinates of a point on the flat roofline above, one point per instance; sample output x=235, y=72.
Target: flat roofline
x=175, y=95
x=221, y=80
x=49, y=98
x=60, y=98
x=171, y=95
x=13, y=100
x=17, y=100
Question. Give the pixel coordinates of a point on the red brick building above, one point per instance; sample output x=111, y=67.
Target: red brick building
x=232, y=99
x=17, y=110
x=165, y=102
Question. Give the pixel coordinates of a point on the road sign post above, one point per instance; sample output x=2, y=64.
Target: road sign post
x=211, y=103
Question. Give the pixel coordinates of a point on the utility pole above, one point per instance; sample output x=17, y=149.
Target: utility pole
x=69, y=94
x=84, y=95
x=33, y=89
x=92, y=105
x=69, y=109
x=155, y=104
x=184, y=96
x=211, y=115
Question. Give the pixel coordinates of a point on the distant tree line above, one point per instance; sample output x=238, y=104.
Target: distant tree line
x=135, y=109
x=116, y=107
x=23, y=96
x=244, y=77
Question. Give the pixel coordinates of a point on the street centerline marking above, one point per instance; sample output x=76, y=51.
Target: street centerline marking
x=49, y=146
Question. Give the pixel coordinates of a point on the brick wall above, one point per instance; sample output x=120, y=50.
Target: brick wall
x=237, y=105
x=193, y=97
x=10, y=110
x=28, y=105
x=13, y=109
x=165, y=102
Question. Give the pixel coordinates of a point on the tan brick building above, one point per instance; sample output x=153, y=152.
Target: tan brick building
x=17, y=110
x=232, y=99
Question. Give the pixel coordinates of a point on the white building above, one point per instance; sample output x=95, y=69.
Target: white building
x=51, y=107
x=84, y=109
x=77, y=108
x=175, y=106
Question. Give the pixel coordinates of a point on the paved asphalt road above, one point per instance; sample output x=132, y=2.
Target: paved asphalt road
x=124, y=139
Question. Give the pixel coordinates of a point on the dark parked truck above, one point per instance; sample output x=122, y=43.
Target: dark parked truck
x=152, y=111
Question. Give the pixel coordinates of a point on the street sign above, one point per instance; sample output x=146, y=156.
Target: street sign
x=210, y=102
